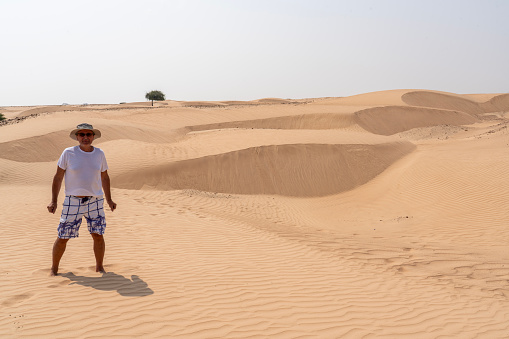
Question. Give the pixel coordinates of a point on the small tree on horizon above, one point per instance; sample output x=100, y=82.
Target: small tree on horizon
x=2, y=117
x=155, y=95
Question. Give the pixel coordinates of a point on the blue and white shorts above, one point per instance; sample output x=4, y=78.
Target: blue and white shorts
x=75, y=209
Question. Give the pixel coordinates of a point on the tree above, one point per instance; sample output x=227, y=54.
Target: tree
x=155, y=95
x=2, y=117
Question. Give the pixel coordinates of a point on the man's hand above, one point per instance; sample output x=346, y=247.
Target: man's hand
x=52, y=207
x=112, y=205
x=55, y=188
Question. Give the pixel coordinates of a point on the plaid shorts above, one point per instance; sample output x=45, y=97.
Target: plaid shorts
x=75, y=209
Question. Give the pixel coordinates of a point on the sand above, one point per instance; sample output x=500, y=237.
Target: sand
x=381, y=215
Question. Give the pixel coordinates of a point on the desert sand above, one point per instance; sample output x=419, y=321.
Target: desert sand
x=381, y=215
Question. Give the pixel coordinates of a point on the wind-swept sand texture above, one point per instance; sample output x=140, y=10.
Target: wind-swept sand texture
x=382, y=215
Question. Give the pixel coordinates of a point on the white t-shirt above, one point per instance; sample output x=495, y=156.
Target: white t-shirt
x=83, y=171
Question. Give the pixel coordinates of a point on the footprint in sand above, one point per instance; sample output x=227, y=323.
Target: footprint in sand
x=61, y=283
x=16, y=299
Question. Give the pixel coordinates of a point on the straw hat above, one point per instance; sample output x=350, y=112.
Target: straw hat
x=82, y=127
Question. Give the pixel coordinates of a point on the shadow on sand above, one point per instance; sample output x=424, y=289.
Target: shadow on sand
x=134, y=287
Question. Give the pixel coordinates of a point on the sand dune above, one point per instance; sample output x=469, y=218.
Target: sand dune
x=394, y=119
x=456, y=102
x=13, y=112
x=378, y=215
x=382, y=98
x=497, y=103
x=293, y=170
x=49, y=147
x=442, y=101
x=305, y=121
x=51, y=109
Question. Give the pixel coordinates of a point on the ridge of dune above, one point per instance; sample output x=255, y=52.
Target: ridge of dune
x=292, y=170
x=390, y=120
x=51, y=109
x=48, y=147
x=34, y=111
x=302, y=121
x=497, y=103
x=440, y=100
x=378, y=98
x=126, y=155
x=480, y=97
x=41, y=125
x=456, y=102
x=11, y=112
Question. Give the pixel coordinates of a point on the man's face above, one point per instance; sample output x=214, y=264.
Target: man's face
x=85, y=137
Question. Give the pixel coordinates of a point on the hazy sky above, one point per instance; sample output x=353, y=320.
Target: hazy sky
x=111, y=51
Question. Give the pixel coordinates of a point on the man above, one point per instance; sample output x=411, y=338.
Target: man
x=85, y=171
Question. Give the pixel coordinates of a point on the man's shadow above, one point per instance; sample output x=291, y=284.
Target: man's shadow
x=134, y=287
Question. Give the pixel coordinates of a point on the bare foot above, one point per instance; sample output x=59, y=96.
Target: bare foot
x=100, y=269
x=53, y=272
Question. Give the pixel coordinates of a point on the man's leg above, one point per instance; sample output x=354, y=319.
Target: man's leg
x=99, y=249
x=68, y=228
x=58, y=251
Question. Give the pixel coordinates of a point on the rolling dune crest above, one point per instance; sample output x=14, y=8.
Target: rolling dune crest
x=390, y=120
x=456, y=102
x=291, y=170
x=48, y=147
x=304, y=121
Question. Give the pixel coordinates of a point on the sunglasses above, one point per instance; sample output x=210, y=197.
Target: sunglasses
x=85, y=134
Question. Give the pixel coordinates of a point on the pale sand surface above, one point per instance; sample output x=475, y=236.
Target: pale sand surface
x=382, y=215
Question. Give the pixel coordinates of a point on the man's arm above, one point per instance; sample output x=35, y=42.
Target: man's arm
x=105, y=178
x=55, y=189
